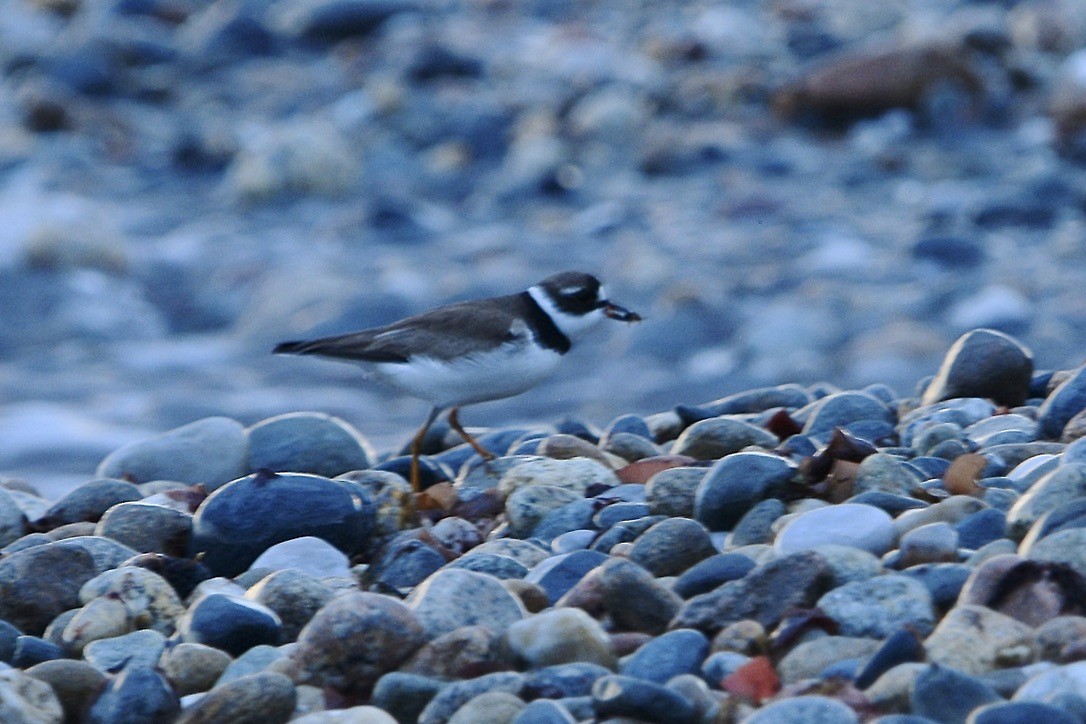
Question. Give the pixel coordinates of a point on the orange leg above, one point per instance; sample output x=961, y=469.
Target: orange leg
x=454, y=423
x=416, y=446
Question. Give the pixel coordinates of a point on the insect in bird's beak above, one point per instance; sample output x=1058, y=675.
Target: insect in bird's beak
x=620, y=313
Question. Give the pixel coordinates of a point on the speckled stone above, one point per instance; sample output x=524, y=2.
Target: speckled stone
x=191, y=668
x=975, y=640
x=147, y=528
x=716, y=437
x=452, y=598
x=150, y=600
x=446, y=703
x=671, y=492
x=459, y=654
x=39, y=583
x=353, y=640
x=672, y=546
x=294, y=596
x=559, y=636
x=635, y=599
x=27, y=698
x=885, y=473
x=576, y=474
x=878, y=606
x=261, y=698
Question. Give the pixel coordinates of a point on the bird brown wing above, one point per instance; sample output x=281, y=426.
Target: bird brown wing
x=444, y=333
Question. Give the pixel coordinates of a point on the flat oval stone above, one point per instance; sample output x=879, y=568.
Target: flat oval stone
x=885, y=473
x=576, y=474
x=442, y=707
x=147, y=528
x=1066, y=401
x=735, y=484
x=452, y=598
x=76, y=684
x=948, y=695
x=88, y=502
x=716, y=437
x=1062, y=485
x=672, y=491
x=307, y=442
x=192, y=668
x=139, y=648
x=672, y=546
x=38, y=584
x=241, y=520
x=313, y=556
x=211, y=451
x=849, y=524
x=712, y=572
x=558, y=574
x=634, y=598
x=491, y=707
x=843, y=408
x=138, y=693
x=405, y=696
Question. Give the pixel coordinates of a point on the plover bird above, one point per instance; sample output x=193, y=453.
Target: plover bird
x=474, y=351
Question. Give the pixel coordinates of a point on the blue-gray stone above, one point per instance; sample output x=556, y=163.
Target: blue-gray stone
x=307, y=442
x=756, y=525
x=139, y=648
x=671, y=546
x=809, y=709
x=1065, y=516
x=562, y=680
x=574, y=540
x=625, y=696
x=38, y=584
x=1065, y=402
x=981, y=528
x=230, y=623
x=574, y=515
x=890, y=502
x=211, y=451
x=944, y=581
x=139, y=695
x=618, y=512
x=983, y=363
x=404, y=696
x=544, y=711
x=8, y=636
x=1020, y=712
x=948, y=695
x=31, y=650
x=759, y=399
x=405, y=563
x=720, y=665
x=932, y=467
x=558, y=574
x=88, y=502
x=842, y=409
x=458, y=693
x=681, y=651
x=901, y=647
x=1075, y=452
x=632, y=424
x=492, y=564
x=252, y=661
x=624, y=532
x=712, y=572
x=241, y=520
x=735, y=484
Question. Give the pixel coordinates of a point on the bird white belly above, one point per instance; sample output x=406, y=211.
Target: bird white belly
x=502, y=372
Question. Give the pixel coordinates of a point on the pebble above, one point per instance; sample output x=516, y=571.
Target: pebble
x=558, y=574
x=243, y=519
x=150, y=600
x=931, y=543
x=1061, y=486
x=458, y=654
x=353, y=715
x=147, y=528
x=1066, y=401
x=681, y=651
x=842, y=409
x=983, y=363
x=712, y=572
x=765, y=594
x=87, y=502
x=253, y=661
x=811, y=709
x=976, y=640
x=191, y=668
x=544, y=711
x=576, y=475
x=451, y=598
x=138, y=648
x=37, y=584
x=137, y=694
x=810, y=658
x=307, y=442
x=230, y=623
x=28, y=699
x=563, y=681
x=944, y=694
x=353, y=640
x=528, y=506
x=876, y=607
x=310, y=555
x=624, y=696
x=635, y=599
x=492, y=707
x=735, y=484
x=757, y=524
x=717, y=437
x=211, y=451
x=901, y=647
x=885, y=473
x=405, y=695
x=1015, y=712
x=76, y=685
x=449, y=700
x=672, y=491
x=849, y=524
x=560, y=636
x=672, y=546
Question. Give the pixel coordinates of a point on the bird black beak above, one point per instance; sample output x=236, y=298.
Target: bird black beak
x=620, y=313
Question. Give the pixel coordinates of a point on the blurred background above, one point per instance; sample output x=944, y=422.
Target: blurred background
x=787, y=190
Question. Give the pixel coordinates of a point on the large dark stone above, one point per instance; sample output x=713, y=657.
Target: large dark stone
x=983, y=363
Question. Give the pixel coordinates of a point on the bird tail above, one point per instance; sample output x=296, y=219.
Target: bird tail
x=299, y=347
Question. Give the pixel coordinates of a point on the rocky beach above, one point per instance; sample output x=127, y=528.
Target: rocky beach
x=836, y=474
